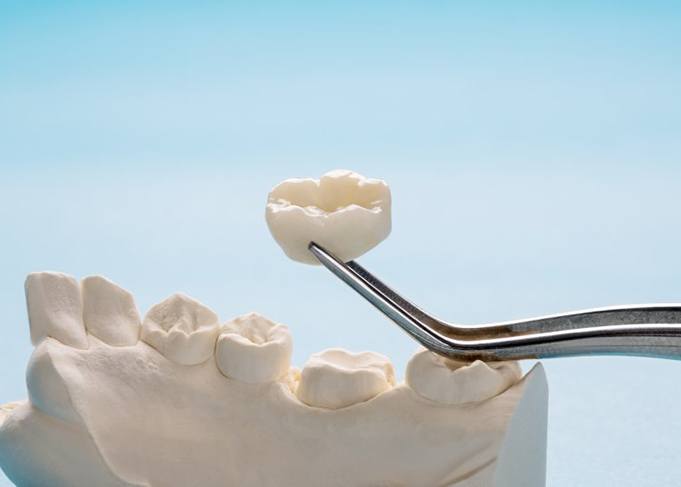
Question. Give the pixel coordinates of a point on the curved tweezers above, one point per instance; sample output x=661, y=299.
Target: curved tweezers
x=651, y=330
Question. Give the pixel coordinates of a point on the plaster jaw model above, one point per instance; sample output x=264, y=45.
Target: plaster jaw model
x=135, y=415
x=180, y=400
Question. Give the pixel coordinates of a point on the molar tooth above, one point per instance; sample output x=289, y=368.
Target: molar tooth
x=343, y=211
x=336, y=378
x=182, y=329
x=452, y=382
x=109, y=312
x=55, y=309
x=253, y=349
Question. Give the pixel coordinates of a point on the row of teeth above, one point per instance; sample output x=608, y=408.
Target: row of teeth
x=249, y=348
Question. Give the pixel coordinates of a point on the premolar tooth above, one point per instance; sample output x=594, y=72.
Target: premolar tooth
x=55, y=309
x=452, y=382
x=335, y=378
x=109, y=312
x=182, y=329
x=253, y=349
x=344, y=212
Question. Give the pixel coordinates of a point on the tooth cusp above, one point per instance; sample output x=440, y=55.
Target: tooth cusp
x=254, y=349
x=343, y=211
x=55, y=309
x=109, y=312
x=182, y=329
x=336, y=378
x=453, y=382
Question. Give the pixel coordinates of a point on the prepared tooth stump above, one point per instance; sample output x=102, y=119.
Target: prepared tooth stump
x=176, y=399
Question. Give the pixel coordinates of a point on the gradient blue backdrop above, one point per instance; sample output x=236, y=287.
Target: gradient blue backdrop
x=534, y=151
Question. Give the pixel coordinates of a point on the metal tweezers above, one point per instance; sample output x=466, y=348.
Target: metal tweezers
x=650, y=330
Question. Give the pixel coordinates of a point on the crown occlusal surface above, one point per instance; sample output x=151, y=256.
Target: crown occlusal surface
x=452, y=382
x=336, y=378
x=109, y=312
x=182, y=329
x=253, y=349
x=343, y=211
x=55, y=309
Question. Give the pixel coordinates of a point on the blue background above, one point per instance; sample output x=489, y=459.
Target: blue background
x=533, y=150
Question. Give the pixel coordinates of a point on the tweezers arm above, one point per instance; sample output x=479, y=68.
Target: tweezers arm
x=639, y=314
x=659, y=341
x=591, y=318
x=642, y=330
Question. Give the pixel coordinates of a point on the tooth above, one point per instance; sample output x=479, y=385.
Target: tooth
x=55, y=309
x=344, y=212
x=182, y=329
x=253, y=349
x=335, y=378
x=109, y=312
x=452, y=382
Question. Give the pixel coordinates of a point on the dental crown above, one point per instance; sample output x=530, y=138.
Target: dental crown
x=343, y=211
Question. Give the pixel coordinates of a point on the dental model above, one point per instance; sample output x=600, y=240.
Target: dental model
x=178, y=399
x=342, y=211
x=148, y=403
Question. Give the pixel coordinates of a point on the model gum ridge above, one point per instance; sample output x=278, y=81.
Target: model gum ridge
x=180, y=398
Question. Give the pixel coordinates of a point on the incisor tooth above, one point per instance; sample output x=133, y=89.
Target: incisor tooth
x=182, y=329
x=452, y=382
x=109, y=312
x=55, y=309
x=253, y=349
x=336, y=378
x=343, y=211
